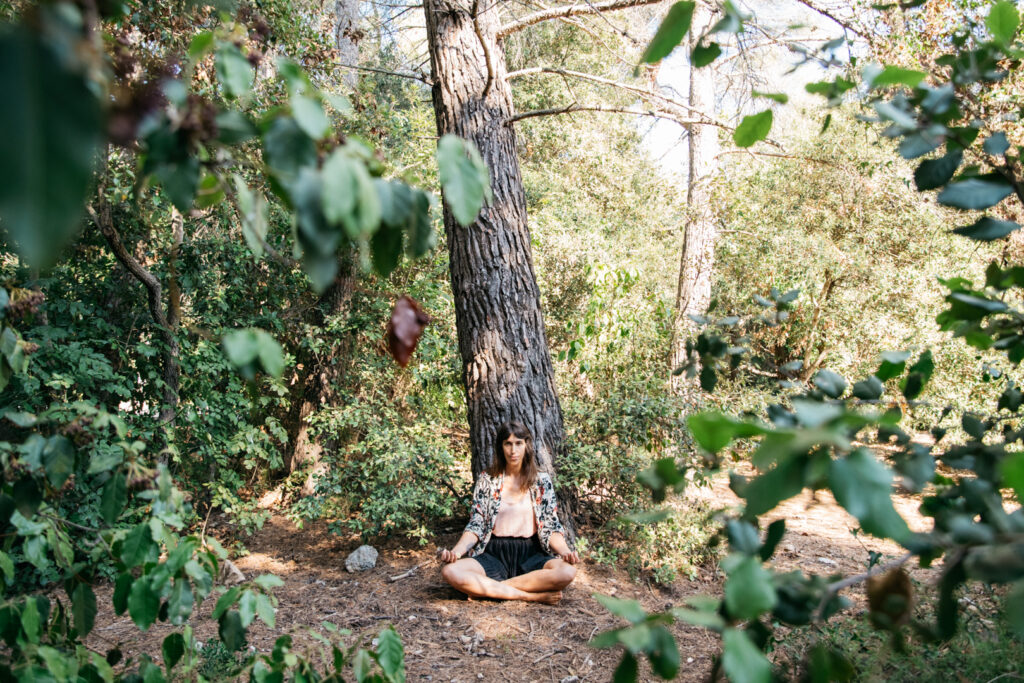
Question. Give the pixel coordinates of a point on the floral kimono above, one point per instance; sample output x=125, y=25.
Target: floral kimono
x=487, y=500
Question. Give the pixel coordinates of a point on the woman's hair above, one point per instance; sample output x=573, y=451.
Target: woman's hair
x=528, y=474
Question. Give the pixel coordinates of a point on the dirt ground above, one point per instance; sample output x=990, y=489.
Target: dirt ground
x=449, y=638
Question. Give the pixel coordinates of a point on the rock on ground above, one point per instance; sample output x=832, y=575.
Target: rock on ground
x=362, y=558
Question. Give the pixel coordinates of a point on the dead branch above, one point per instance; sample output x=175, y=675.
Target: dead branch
x=834, y=588
x=576, y=107
x=415, y=77
x=828, y=15
x=569, y=11
x=643, y=92
x=405, y=573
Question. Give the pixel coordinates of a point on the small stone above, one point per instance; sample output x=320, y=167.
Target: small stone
x=789, y=548
x=412, y=617
x=230, y=574
x=480, y=676
x=689, y=660
x=362, y=558
x=570, y=679
x=828, y=562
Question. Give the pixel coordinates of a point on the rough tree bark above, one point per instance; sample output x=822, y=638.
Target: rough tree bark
x=346, y=37
x=505, y=357
x=693, y=292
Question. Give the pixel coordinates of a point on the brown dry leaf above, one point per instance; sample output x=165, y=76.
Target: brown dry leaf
x=404, y=329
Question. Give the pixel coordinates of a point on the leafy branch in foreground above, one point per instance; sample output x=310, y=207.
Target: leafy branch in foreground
x=818, y=436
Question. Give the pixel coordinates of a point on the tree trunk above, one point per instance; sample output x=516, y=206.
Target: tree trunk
x=698, y=254
x=346, y=37
x=506, y=364
x=315, y=385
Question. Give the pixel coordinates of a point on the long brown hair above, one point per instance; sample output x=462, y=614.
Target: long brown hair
x=528, y=473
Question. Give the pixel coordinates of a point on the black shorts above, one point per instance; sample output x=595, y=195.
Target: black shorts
x=508, y=556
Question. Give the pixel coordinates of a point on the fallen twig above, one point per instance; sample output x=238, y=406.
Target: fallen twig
x=405, y=573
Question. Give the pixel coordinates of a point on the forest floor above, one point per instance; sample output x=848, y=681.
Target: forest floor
x=449, y=638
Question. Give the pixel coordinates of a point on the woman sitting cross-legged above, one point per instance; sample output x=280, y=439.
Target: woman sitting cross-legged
x=516, y=545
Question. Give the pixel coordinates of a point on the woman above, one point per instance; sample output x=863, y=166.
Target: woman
x=516, y=545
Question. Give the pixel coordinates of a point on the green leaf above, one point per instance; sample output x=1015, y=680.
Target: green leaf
x=663, y=653
x=1002, y=21
x=83, y=606
x=863, y=486
x=748, y=590
x=753, y=128
x=30, y=620
x=52, y=135
x=465, y=181
x=173, y=650
x=180, y=602
x=7, y=566
x=386, y=249
x=122, y=586
x=708, y=378
x=627, y=670
x=1012, y=471
x=341, y=185
x=705, y=54
x=974, y=193
x=714, y=431
x=27, y=496
x=421, y=235
x=742, y=660
x=1015, y=608
x=115, y=495
x=895, y=75
x=253, y=210
x=391, y=655
x=231, y=631
x=893, y=363
x=179, y=180
x=59, y=460
x=201, y=44
x=670, y=33
x=309, y=114
x=919, y=374
x=830, y=383
x=869, y=389
x=268, y=581
x=265, y=610
x=225, y=601
x=247, y=607
x=630, y=610
x=288, y=149
x=781, y=98
x=996, y=144
x=234, y=71
x=743, y=536
x=775, y=532
x=138, y=546
x=234, y=127
x=143, y=603
x=933, y=173
x=987, y=229
x=340, y=103
x=780, y=483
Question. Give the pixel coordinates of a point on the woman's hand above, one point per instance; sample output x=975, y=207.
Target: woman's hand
x=572, y=557
x=448, y=556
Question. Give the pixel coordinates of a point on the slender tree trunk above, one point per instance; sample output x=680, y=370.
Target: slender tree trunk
x=696, y=262
x=346, y=37
x=506, y=364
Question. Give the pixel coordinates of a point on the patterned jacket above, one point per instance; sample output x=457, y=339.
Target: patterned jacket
x=487, y=499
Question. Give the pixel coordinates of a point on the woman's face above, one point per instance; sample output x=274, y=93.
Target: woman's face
x=515, y=450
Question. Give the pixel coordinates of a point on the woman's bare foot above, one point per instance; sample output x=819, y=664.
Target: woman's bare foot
x=551, y=598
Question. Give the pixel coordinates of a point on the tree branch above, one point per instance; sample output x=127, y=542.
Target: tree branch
x=647, y=94
x=575, y=107
x=834, y=588
x=569, y=11
x=828, y=15
x=103, y=221
x=415, y=77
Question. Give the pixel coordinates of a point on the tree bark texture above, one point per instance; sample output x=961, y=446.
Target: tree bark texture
x=696, y=263
x=347, y=36
x=507, y=367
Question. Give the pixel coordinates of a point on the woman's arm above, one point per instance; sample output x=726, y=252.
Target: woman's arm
x=468, y=540
x=561, y=548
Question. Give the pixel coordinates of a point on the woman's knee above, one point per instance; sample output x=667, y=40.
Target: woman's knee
x=451, y=574
x=564, y=573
